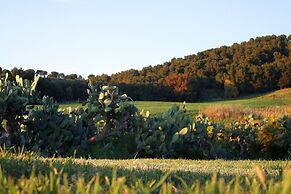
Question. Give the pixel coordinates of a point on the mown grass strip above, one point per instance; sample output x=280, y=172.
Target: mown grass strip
x=28, y=173
x=58, y=181
x=17, y=165
x=277, y=98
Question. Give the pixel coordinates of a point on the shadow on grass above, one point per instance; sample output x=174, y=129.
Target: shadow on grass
x=17, y=167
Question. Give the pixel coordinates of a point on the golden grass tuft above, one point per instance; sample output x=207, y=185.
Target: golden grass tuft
x=283, y=93
x=224, y=112
x=236, y=112
x=261, y=175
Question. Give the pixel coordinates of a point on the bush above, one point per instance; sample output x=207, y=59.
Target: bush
x=176, y=134
x=52, y=132
x=15, y=96
x=110, y=119
x=275, y=138
x=109, y=112
x=106, y=114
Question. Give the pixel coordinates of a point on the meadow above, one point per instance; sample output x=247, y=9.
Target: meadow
x=52, y=149
x=26, y=172
x=280, y=98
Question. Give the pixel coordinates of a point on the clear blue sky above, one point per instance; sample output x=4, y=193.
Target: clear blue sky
x=94, y=36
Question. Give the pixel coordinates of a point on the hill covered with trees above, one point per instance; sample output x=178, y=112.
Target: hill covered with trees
x=258, y=65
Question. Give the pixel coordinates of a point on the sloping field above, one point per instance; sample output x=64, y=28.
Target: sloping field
x=280, y=98
x=284, y=93
x=277, y=98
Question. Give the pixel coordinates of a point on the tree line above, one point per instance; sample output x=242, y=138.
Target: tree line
x=61, y=87
x=258, y=65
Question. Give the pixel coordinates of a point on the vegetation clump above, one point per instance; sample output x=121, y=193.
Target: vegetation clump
x=176, y=134
x=109, y=116
x=15, y=98
x=47, y=129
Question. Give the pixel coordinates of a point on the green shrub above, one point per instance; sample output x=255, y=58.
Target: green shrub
x=275, y=138
x=50, y=131
x=109, y=118
x=15, y=96
x=269, y=138
x=110, y=112
x=107, y=114
x=175, y=134
x=121, y=147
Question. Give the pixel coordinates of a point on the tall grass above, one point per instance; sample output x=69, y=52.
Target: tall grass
x=58, y=182
x=237, y=113
x=26, y=172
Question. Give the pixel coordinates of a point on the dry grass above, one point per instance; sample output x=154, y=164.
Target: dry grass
x=236, y=112
x=274, y=111
x=224, y=112
x=283, y=93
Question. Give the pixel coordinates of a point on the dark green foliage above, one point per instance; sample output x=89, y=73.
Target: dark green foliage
x=110, y=119
x=147, y=92
x=261, y=64
x=107, y=114
x=258, y=65
x=176, y=134
x=63, y=90
x=122, y=147
x=275, y=139
x=110, y=112
x=15, y=96
x=50, y=131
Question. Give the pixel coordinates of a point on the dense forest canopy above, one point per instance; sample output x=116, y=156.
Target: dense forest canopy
x=258, y=65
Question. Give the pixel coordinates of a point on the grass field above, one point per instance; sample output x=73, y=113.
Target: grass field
x=17, y=165
x=277, y=98
x=30, y=174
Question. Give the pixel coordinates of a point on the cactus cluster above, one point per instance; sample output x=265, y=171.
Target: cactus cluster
x=53, y=132
x=109, y=111
x=47, y=129
x=176, y=134
x=15, y=97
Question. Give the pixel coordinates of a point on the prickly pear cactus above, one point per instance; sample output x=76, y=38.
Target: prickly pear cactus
x=53, y=132
x=177, y=134
x=161, y=132
x=109, y=112
x=15, y=96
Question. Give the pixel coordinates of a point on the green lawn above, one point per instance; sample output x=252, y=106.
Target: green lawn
x=277, y=98
x=146, y=169
x=28, y=173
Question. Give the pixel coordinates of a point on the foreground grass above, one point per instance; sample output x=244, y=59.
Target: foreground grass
x=277, y=98
x=33, y=174
x=17, y=165
x=57, y=182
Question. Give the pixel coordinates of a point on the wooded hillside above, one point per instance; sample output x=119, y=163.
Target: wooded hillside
x=258, y=65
